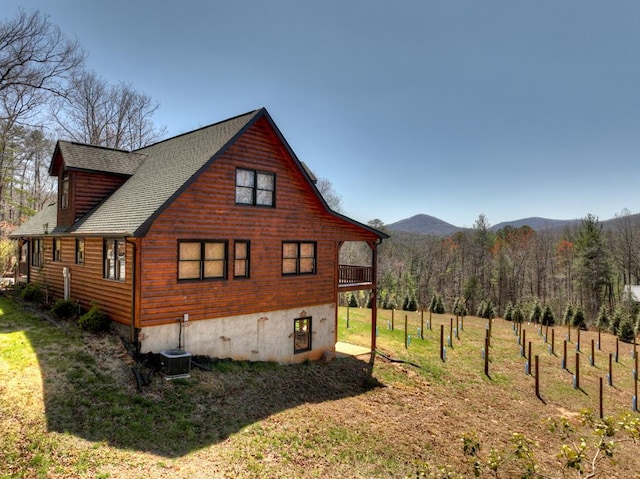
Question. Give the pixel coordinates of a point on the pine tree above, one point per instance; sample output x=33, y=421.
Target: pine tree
x=518, y=315
x=603, y=318
x=547, y=316
x=626, y=331
x=508, y=312
x=353, y=302
x=616, y=320
x=567, y=317
x=536, y=312
x=579, y=320
x=440, y=305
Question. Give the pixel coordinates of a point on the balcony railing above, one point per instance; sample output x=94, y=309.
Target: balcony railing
x=349, y=275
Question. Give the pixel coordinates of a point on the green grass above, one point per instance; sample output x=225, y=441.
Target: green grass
x=69, y=405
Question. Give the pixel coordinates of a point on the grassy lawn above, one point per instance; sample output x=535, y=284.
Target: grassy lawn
x=69, y=406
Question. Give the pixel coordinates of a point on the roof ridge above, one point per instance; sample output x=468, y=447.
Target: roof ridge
x=101, y=147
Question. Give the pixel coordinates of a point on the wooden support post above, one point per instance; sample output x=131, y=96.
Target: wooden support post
x=546, y=334
x=578, y=340
x=538, y=377
x=564, y=355
x=393, y=319
x=524, y=338
x=451, y=332
x=601, y=407
x=442, y=342
x=490, y=326
x=599, y=343
x=347, y=316
x=635, y=383
x=529, y=358
x=430, y=321
x=593, y=353
x=553, y=341
x=610, y=377
x=486, y=356
x=577, y=376
x=617, y=348
x=569, y=331
x=406, y=337
x=422, y=324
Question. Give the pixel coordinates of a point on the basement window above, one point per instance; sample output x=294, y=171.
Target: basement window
x=302, y=335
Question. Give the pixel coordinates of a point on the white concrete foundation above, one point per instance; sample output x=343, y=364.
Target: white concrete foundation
x=265, y=336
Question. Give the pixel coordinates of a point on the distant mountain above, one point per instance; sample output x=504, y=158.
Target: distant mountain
x=430, y=225
x=424, y=224
x=537, y=224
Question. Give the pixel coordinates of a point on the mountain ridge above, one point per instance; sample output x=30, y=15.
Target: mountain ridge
x=431, y=225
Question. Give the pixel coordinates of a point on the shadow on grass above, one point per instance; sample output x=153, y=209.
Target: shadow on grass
x=90, y=395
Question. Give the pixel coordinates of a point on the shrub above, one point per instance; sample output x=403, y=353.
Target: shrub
x=32, y=292
x=536, y=312
x=65, y=309
x=94, y=320
x=353, y=302
x=567, y=317
x=578, y=320
x=603, y=318
x=547, y=316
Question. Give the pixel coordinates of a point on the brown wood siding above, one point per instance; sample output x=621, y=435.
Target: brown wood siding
x=207, y=210
x=89, y=189
x=87, y=283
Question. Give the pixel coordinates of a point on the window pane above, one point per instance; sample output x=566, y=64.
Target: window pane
x=265, y=181
x=307, y=250
x=214, y=251
x=109, y=265
x=289, y=266
x=244, y=195
x=306, y=265
x=189, y=270
x=245, y=178
x=214, y=269
x=264, y=198
x=190, y=251
x=302, y=335
x=240, y=269
x=289, y=250
x=241, y=250
x=122, y=259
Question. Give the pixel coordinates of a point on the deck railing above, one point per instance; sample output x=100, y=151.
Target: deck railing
x=350, y=275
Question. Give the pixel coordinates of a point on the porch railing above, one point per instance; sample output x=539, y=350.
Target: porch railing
x=350, y=275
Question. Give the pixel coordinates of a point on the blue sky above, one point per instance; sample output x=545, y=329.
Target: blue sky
x=450, y=108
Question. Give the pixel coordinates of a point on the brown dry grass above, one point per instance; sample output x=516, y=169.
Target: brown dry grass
x=70, y=408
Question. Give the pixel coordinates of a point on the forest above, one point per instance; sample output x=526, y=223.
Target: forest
x=576, y=274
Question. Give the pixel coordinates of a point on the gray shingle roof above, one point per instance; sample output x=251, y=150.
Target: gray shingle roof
x=95, y=158
x=35, y=226
x=168, y=169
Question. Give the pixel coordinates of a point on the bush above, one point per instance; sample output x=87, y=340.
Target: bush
x=547, y=316
x=65, y=309
x=579, y=320
x=94, y=320
x=32, y=292
x=353, y=302
x=536, y=312
x=626, y=331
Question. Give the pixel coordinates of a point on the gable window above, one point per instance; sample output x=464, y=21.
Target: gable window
x=301, y=335
x=79, y=250
x=57, y=249
x=202, y=260
x=115, y=259
x=241, y=259
x=36, y=252
x=64, y=192
x=255, y=187
x=298, y=257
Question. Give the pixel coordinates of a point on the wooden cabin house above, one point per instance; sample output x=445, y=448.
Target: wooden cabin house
x=215, y=241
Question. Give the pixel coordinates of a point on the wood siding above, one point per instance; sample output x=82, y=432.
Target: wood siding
x=87, y=283
x=86, y=190
x=207, y=210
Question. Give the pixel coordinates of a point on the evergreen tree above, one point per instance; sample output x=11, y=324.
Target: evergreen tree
x=567, y=317
x=353, y=302
x=602, y=321
x=547, y=316
x=518, y=314
x=440, y=305
x=616, y=320
x=579, y=320
x=482, y=308
x=626, y=331
x=508, y=312
x=536, y=312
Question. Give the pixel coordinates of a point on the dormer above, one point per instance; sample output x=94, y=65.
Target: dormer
x=87, y=175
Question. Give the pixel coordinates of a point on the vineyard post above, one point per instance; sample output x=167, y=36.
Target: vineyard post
x=553, y=341
x=486, y=356
x=601, y=408
x=576, y=377
x=610, y=375
x=422, y=324
x=406, y=341
x=578, y=341
x=529, y=360
x=524, y=341
x=393, y=319
x=347, y=316
x=593, y=353
x=564, y=355
x=538, y=377
x=599, y=343
x=442, y=342
x=617, y=348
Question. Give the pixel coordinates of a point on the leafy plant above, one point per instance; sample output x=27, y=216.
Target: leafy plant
x=94, y=320
x=32, y=292
x=65, y=309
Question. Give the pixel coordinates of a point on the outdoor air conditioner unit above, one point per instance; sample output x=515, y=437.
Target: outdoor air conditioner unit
x=176, y=363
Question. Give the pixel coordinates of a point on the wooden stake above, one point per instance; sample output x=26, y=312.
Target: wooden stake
x=529, y=358
x=564, y=355
x=486, y=356
x=393, y=319
x=442, y=342
x=617, y=349
x=601, y=408
x=451, y=332
x=347, y=316
x=599, y=343
x=524, y=337
x=553, y=341
x=578, y=340
x=406, y=340
x=577, y=385
x=422, y=324
x=538, y=377
x=610, y=370
x=593, y=353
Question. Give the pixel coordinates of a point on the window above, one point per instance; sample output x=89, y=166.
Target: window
x=36, y=252
x=57, y=249
x=115, y=259
x=255, y=187
x=241, y=259
x=301, y=335
x=79, y=250
x=64, y=192
x=202, y=260
x=298, y=257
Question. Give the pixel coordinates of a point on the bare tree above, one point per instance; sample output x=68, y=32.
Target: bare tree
x=325, y=187
x=36, y=62
x=98, y=113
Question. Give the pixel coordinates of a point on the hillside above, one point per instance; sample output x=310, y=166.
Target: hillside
x=430, y=225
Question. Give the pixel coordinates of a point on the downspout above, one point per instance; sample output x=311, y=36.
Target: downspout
x=133, y=332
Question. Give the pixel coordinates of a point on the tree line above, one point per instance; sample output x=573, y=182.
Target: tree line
x=577, y=274
x=46, y=93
